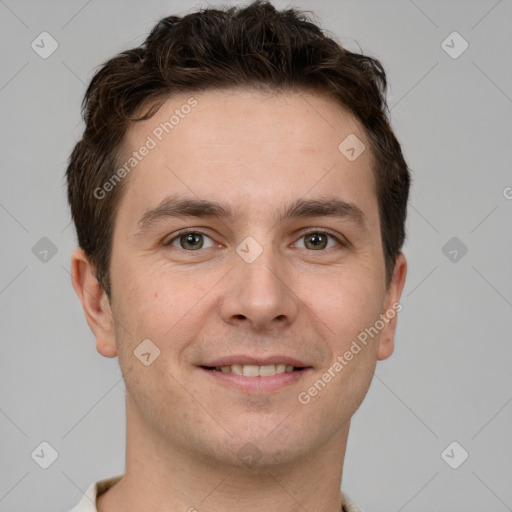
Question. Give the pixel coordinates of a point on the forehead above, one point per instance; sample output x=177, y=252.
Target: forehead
x=293, y=120
x=252, y=150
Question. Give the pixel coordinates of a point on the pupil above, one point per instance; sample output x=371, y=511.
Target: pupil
x=317, y=239
x=192, y=239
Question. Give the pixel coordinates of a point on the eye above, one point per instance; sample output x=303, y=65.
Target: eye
x=193, y=240
x=190, y=241
x=319, y=240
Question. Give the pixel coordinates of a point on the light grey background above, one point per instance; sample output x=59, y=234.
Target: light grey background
x=449, y=378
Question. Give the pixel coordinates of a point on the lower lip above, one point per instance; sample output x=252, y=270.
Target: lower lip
x=257, y=384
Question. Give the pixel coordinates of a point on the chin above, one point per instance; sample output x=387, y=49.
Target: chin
x=265, y=446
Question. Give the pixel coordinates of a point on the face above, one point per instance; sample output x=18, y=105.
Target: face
x=265, y=250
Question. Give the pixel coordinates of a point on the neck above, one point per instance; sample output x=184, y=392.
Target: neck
x=163, y=476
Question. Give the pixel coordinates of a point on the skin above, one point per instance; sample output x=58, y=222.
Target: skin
x=254, y=152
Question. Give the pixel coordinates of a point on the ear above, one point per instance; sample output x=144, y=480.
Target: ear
x=391, y=308
x=95, y=303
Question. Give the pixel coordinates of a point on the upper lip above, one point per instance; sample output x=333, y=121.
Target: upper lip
x=258, y=361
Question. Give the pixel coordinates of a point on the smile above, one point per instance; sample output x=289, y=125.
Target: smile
x=252, y=370
x=255, y=379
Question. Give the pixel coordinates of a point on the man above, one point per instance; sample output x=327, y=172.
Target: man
x=240, y=202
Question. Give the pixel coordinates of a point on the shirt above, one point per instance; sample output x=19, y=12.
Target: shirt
x=88, y=501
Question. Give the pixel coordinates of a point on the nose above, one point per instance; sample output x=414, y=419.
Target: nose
x=260, y=294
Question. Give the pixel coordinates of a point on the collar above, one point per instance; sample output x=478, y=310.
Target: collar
x=88, y=502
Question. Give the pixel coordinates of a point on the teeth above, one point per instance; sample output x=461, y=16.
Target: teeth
x=251, y=370
x=237, y=368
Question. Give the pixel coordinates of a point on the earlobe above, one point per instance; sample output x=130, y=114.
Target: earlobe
x=94, y=303
x=391, y=308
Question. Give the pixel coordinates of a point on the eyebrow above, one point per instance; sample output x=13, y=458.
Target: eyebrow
x=179, y=207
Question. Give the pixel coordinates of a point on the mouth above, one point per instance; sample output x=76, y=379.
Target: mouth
x=252, y=370
x=255, y=379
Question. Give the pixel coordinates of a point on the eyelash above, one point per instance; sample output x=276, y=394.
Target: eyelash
x=309, y=232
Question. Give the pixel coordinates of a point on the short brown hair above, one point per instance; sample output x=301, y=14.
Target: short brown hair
x=254, y=46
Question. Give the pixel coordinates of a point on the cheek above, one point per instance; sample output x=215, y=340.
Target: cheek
x=147, y=301
x=349, y=304
x=162, y=307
